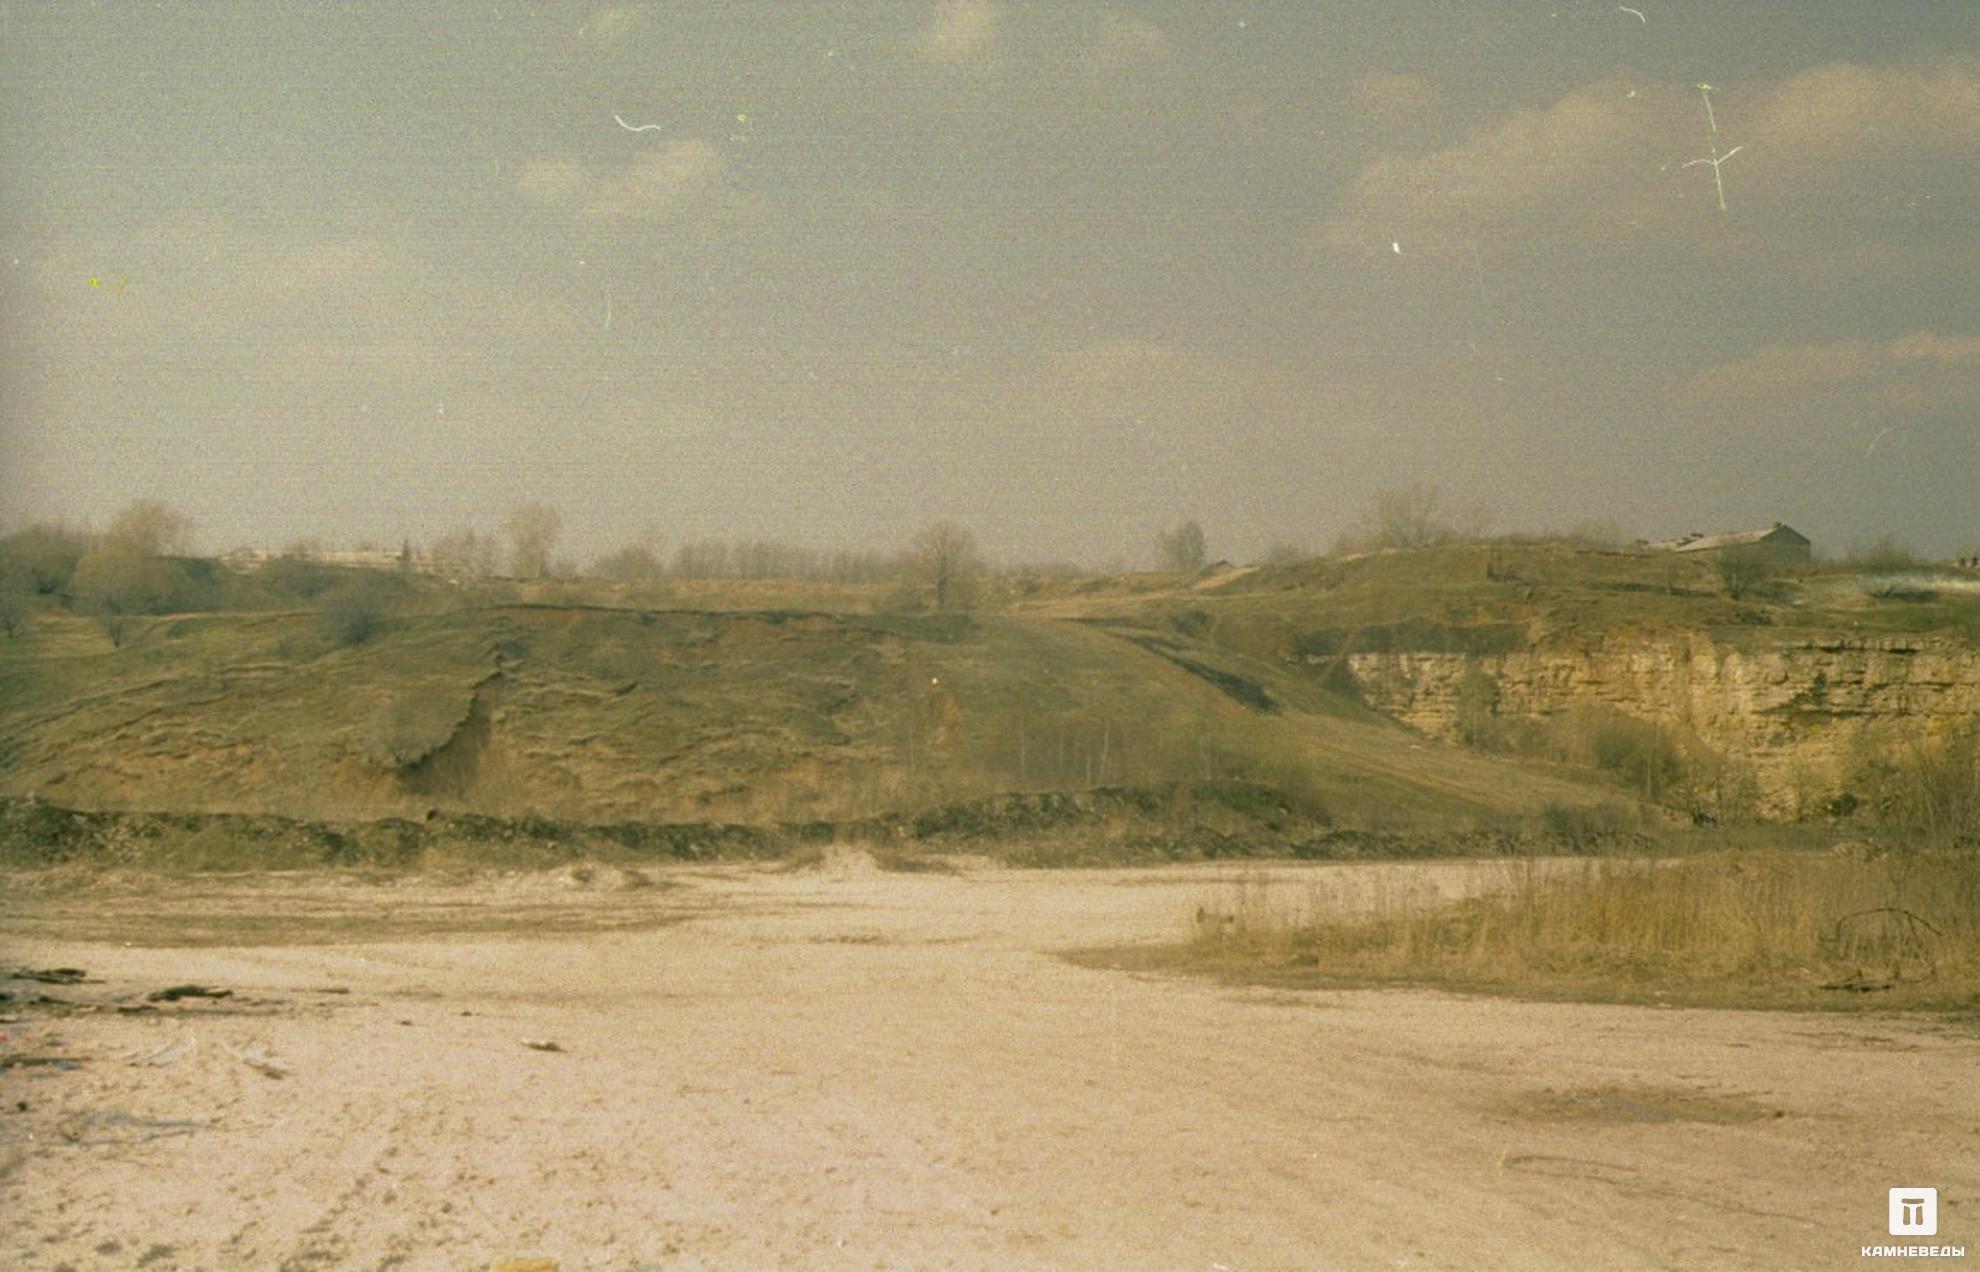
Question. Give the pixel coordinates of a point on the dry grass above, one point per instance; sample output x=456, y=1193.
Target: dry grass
x=1744, y=928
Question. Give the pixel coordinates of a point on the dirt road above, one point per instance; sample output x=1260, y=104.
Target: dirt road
x=839, y=1068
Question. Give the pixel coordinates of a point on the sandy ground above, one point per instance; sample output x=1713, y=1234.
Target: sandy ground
x=839, y=1068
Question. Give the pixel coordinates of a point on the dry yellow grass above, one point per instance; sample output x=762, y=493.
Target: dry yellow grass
x=1761, y=928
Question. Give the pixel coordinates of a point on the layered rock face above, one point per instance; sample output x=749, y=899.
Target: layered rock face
x=1798, y=712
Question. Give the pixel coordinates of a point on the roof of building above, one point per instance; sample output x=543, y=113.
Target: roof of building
x=1694, y=542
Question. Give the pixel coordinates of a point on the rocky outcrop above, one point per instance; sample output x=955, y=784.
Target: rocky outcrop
x=1798, y=712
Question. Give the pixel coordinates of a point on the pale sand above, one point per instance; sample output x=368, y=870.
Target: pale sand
x=839, y=1068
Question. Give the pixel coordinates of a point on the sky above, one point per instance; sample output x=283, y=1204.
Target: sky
x=1066, y=273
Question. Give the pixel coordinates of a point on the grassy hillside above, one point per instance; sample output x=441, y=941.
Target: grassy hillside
x=783, y=703
x=605, y=714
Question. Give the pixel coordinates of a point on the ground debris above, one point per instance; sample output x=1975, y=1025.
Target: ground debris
x=50, y=975
x=164, y=1053
x=176, y=992
x=542, y=1044
x=262, y=1062
x=1860, y=984
x=81, y=1129
x=35, y=1062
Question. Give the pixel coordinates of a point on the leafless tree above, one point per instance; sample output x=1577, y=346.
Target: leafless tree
x=533, y=529
x=150, y=528
x=944, y=556
x=638, y=562
x=16, y=604
x=1184, y=548
x=1405, y=517
x=467, y=552
x=44, y=555
x=1742, y=570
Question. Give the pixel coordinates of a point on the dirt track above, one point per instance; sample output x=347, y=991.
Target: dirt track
x=841, y=1068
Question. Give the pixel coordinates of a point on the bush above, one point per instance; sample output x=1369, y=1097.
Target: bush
x=1643, y=755
x=114, y=579
x=347, y=620
x=1884, y=556
x=16, y=606
x=357, y=609
x=1586, y=823
x=1929, y=792
x=44, y=556
x=294, y=576
x=1743, y=571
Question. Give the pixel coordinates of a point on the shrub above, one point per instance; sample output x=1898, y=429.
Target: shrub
x=1743, y=571
x=115, y=579
x=358, y=608
x=294, y=575
x=16, y=605
x=346, y=620
x=43, y=555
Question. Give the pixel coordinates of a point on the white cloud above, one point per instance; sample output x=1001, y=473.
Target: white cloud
x=1123, y=41
x=553, y=182
x=618, y=23
x=658, y=184
x=1919, y=370
x=961, y=31
x=1394, y=102
x=1604, y=164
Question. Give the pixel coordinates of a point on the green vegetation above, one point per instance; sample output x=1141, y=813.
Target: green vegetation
x=131, y=678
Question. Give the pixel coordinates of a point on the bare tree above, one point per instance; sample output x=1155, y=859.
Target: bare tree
x=467, y=552
x=1407, y=517
x=1184, y=548
x=150, y=528
x=16, y=603
x=44, y=555
x=129, y=570
x=1742, y=570
x=533, y=530
x=944, y=555
x=637, y=562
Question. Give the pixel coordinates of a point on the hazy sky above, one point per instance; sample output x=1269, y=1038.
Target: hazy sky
x=1064, y=272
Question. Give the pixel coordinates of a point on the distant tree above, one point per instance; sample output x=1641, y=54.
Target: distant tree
x=944, y=556
x=44, y=555
x=467, y=552
x=356, y=609
x=1742, y=570
x=16, y=604
x=1184, y=548
x=347, y=619
x=293, y=575
x=1284, y=554
x=114, y=580
x=150, y=528
x=533, y=529
x=635, y=563
x=1477, y=708
x=1598, y=532
x=1887, y=553
x=1404, y=517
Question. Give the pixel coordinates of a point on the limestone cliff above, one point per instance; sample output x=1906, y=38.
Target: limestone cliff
x=1796, y=710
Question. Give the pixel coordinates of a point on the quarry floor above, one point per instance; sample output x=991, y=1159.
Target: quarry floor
x=836, y=1067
